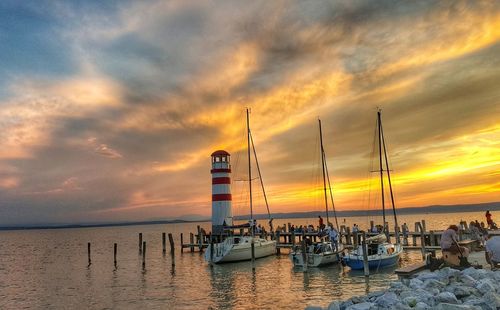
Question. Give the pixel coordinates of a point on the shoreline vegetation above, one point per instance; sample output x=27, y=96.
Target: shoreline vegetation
x=492, y=206
x=447, y=288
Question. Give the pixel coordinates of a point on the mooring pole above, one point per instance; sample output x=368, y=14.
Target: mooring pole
x=115, y=250
x=365, y=255
x=163, y=243
x=144, y=254
x=172, y=248
x=140, y=242
x=88, y=253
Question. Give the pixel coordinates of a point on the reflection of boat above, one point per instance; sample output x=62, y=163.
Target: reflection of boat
x=239, y=248
x=324, y=252
x=380, y=252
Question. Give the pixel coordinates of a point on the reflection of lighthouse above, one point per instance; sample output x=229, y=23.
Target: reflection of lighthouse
x=221, y=192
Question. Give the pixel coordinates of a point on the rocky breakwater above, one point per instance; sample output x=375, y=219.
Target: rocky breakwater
x=445, y=289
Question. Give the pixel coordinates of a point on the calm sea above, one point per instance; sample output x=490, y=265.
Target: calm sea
x=47, y=269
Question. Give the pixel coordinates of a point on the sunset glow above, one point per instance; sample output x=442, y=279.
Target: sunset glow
x=111, y=113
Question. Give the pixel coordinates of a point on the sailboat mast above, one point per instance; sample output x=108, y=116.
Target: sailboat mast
x=396, y=226
x=380, y=166
x=261, y=182
x=324, y=174
x=250, y=174
x=331, y=196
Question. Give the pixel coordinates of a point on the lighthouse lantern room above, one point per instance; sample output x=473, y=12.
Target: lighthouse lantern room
x=221, y=192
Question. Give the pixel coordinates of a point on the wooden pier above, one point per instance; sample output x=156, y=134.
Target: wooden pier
x=419, y=239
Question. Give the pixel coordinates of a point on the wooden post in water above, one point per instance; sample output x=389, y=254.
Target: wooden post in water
x=366, y=267
x=293, y=239
x=88, y=253
x=371, y=226
x=200, y=239
x=182, y=243
x=172, y=248
x=348, y=236
x=211, y=253
x=422, y=238
x=140, y=242
x=355, y=239
x=163, y=243
x=278, y=249
x=415, y=234
x=115, y=250
x=432, y=238
x=143, y=254
x=191, y=242
x=305, y=257
x=252, y=245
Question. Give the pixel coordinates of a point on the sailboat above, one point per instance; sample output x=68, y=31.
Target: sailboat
x=380, y=252
x=324, y=252
x=241, y=248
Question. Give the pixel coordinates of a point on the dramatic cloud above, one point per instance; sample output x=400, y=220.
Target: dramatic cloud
x=110, y=111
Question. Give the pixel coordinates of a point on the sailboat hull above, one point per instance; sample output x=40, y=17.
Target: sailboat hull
x=235, y=249
x=325, y=257
x=379, y=260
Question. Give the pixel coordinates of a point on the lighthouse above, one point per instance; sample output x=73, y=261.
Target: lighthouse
x=221, y=192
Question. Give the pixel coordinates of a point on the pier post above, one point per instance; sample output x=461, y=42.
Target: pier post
x=414, y=236
x=200, y=239
x=252, y=247
x=191, y=242
x=182, y=243
x=432, y=237
x=348, y=236
x=163, y=243
x=341, y=233
x=419, y=226
x=172, y=248
x=293, y=239
x=371, y=226
x=211, y=252
x=143, y=254
x=88, y=253
x=115, y=250
x=278, y=249
x=355, y=239
x=305, y=257
x=366, y=267
x=140, y=242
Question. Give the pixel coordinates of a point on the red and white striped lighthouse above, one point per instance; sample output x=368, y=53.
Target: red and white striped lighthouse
x=221, y=191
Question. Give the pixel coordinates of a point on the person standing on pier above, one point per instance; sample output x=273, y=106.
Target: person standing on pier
x=489, y=220
x=321, y=224
x=334, y=236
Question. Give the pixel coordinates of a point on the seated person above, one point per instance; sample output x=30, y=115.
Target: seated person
x=493, y=251
x=449, y=242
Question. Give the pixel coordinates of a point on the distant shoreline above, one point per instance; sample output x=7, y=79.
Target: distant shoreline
x=492, y=206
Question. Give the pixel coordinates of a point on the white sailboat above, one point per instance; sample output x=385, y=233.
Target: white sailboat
x=380, y=252
x=324, y=252
x=241, y=248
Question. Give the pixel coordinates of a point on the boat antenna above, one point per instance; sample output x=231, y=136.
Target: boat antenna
x=379, y=125
x=323, y=164
x=250, y=174
x=261, y=182
x=396, y=226
x=331, y=195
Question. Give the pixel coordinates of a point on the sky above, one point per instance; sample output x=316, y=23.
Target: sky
x=109, y=110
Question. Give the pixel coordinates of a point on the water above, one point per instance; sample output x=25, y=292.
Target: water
x=41, y=269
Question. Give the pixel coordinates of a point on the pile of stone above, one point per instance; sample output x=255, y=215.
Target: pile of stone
x=446, y=289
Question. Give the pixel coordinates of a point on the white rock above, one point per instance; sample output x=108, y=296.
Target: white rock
x=387, y=300
x=416, y=283
x=334, y=305
x=429, y=275
x=485, y=285
x=492, y=299
x=446, y=306
x=433, y=283
x=472, y=272
x=422, y=306
x=313, y=308
x=447, y=297
x=361, y=306
x=468, y=280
